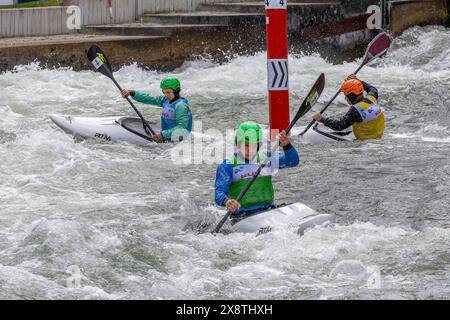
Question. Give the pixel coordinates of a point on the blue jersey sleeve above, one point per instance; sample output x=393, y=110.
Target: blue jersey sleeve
x=288, y=158
x=224, y=177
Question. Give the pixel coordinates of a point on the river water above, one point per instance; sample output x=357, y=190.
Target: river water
x=95, y=220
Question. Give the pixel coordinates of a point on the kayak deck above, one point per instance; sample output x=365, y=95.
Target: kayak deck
x=296, y=214
x=134, y=125
x=319, y=133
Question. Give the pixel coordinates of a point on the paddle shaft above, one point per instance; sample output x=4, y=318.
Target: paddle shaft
x=146, y=124
x=331, y=101
x=102, y=65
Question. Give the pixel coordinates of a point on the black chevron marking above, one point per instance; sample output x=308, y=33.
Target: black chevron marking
x=283, y=74
x=287, y=74
x=276, y=74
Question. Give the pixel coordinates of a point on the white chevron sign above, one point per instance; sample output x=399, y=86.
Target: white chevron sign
x=278, y=78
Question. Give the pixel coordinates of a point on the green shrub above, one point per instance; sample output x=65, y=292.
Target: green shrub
x=445, y=18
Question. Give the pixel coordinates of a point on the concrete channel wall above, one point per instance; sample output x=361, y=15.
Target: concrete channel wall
x=33, y=22
x=405, y=14
x=159, y=6
x=165, y=41
x=53, y=20
x=97, y=11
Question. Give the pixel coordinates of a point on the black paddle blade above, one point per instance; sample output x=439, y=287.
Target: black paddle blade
x=99, y=61
x=310, y=100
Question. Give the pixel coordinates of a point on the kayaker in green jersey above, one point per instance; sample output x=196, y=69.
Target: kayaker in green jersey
x=176, y=113
x=232, y=176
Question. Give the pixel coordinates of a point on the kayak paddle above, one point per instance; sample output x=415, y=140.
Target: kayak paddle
x=376, y=48
x=307, y=104
x=101, y=64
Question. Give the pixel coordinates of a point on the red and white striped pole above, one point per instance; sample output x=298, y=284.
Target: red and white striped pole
x=277, y=64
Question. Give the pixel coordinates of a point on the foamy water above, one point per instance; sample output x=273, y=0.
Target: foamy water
x=132, y=224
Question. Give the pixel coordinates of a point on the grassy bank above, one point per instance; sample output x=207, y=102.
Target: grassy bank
x=47, y=3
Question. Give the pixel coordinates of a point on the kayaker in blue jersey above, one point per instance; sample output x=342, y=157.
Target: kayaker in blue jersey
x=176, y=113
x=233, y=175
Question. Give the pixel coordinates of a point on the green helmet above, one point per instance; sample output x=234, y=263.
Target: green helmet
x=171, y=83
x=249, y=132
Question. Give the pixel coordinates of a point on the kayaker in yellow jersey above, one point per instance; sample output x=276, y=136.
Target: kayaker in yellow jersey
x=365, y=115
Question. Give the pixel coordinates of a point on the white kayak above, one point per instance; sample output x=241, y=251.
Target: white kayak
x=128, y=129
x=296, y=215
x=117, y=128
x=319, y=133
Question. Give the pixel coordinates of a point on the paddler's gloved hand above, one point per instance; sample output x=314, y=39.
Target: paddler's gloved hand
x=158, y=137
x=351, y=76
x=126, y=93
x=317, y=116
x=232, y=205
x=284, y=139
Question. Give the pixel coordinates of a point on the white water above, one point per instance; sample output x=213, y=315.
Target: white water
x=135, y=223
